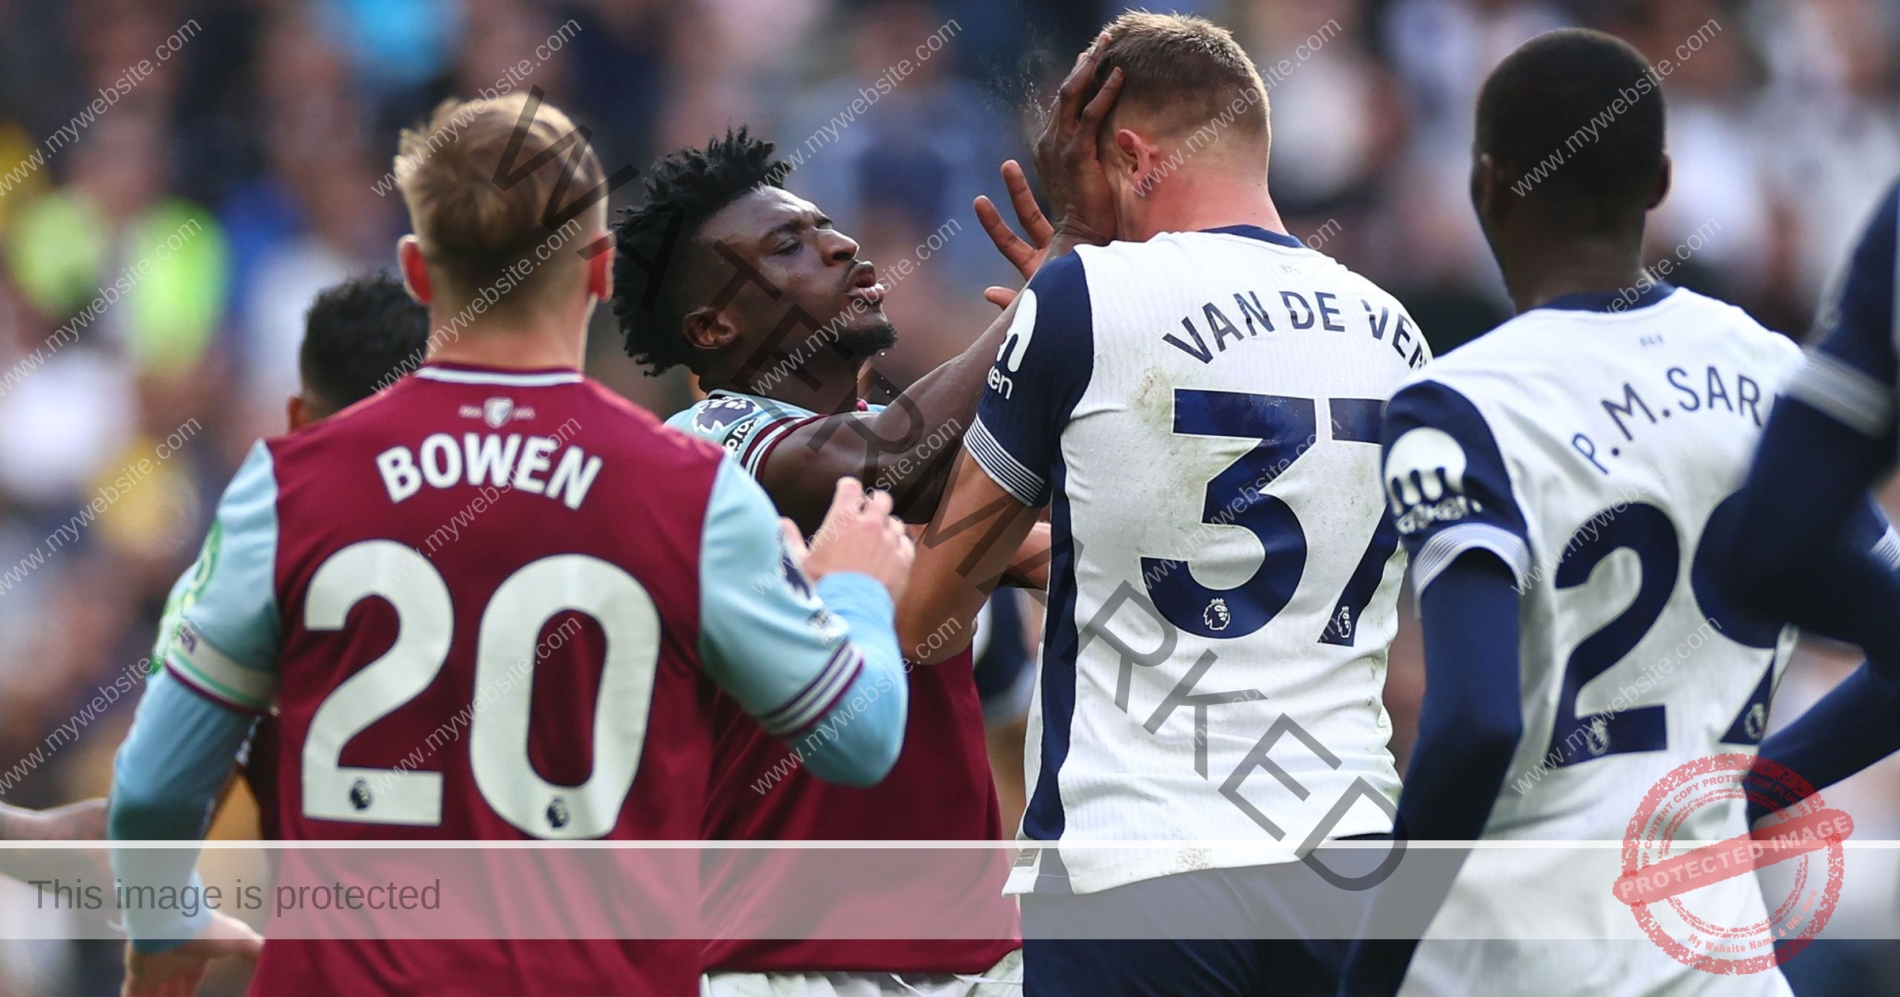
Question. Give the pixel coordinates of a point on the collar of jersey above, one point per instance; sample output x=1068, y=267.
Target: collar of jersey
x=1256, y=232
x=514, y=377
x=1602, y=301
x=863, y=406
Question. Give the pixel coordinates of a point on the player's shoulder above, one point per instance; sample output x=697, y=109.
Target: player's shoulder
x=354, y=421
x=1192, y=248
x=731, y=420
x=630, y=426
x=580, y=410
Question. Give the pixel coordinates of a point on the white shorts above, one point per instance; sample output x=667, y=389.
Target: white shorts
x=1543, y=921
x=1005, y=979
x=1567, y=968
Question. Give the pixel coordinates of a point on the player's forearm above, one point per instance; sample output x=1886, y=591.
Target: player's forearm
x=1469, y=728
x=938, y=407
x=1030, y=567
x=1809, y=475
x=960, y=557
x=174, y=763
x=905, y=449
x=1850, y=728
x=1469, y=724
x=1820, y=567
x=856, y=742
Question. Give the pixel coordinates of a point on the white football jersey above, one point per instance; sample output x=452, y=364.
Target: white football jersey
x=1591, y=446
x=1202, y=412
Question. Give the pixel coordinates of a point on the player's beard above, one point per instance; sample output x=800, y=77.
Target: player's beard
x=869, y=341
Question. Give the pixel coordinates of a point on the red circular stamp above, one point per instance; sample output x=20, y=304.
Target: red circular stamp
x=1666, y=884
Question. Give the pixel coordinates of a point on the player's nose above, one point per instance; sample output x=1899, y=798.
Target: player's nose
x=838, y=247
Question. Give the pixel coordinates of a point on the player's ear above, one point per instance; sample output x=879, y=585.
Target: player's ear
x=1663, y=177
x=297, y=412
x=1485, y=184
x=415, y=270
x=1133, y=156
x=708, y=329
x=600, y=268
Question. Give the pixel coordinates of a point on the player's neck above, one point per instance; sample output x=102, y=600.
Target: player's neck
x=1543, y=270
x=836, y=385
x=1204, y=202
x=1541, y=263
x=510, y=346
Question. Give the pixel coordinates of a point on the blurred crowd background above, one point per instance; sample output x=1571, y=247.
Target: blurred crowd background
x=178, y=179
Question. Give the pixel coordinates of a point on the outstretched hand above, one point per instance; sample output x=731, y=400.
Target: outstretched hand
x=1025, y=254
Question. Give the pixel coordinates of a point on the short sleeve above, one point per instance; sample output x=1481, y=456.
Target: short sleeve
x=1040, y=373
x=175, y=606
x=225, y=646
x=748, y=427
x=1447, y=485
x=1850, y=376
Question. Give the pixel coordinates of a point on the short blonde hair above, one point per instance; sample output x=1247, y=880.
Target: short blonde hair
x=487, y=185
x=1183, y=71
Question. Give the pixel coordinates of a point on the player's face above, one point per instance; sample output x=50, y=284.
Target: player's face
x=794, y=248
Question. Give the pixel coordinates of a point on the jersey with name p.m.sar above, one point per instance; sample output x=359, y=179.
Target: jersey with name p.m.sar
x=1594, y=445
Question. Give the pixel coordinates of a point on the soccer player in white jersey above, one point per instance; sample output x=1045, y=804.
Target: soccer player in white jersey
x=1560, y=484
x=1830, y=439
x=1197, y=405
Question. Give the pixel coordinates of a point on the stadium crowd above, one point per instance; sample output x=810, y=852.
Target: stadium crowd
x=178, y=178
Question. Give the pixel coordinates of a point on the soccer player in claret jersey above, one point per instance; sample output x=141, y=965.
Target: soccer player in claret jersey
x=754, y=290
x=1197, y=403
x=584, y=509
x=359, y=336
x=1563, y=484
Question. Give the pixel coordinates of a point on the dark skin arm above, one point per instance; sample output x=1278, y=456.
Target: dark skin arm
x=975, y=538
x=903, y=448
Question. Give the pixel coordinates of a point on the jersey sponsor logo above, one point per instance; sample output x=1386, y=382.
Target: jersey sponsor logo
x=715, y=414
x=1425, y=480
x=1015, y=346
x=736, y=439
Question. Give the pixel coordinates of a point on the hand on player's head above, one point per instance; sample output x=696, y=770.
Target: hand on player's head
x=860, y=534
x=1067, y=159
